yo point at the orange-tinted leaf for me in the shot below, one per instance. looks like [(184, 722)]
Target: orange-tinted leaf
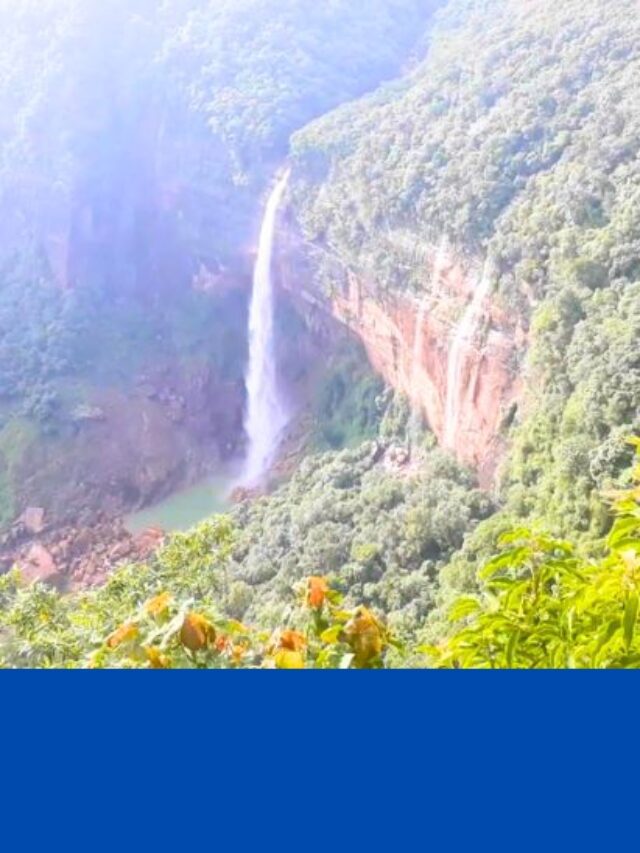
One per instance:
[(222, 643), (197, 633), (156, 659), (294, 641), (239, 651), (159, 605), (317, 590), (124, 634), (365, 636)]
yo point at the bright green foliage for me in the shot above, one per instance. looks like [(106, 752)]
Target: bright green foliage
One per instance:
[(541, 605), (571, 443), (168, 615)]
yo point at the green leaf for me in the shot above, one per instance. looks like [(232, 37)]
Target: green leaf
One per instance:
[(463, 608), (629, 621), (430, 651), (510, 559), (499, 585), (558, 656), (332, 635), (520, 534), (512, 645), (605, 637), (620, 534)]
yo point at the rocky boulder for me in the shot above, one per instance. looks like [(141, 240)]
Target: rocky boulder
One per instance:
[(39, 566)]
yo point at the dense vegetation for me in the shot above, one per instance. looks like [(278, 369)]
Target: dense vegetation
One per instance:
[(542, 604), (518, 138), (381, 532), (136, 140)]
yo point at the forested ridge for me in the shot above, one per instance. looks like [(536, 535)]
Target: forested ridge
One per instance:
[(508, 132), (523, 149)]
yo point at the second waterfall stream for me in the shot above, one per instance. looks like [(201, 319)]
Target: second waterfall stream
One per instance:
[(267, 413), (461, 344)]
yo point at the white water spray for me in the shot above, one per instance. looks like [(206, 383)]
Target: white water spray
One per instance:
[(427, 300), (418, 339), (267, 413), (460, 345)]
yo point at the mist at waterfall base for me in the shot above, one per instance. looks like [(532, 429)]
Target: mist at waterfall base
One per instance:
[(267, 414)]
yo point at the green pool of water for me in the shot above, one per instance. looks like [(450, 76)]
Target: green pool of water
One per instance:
[(184, 509)]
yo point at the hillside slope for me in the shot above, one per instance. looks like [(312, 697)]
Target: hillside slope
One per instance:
[(512, 152), (136, 142), (474, 220)]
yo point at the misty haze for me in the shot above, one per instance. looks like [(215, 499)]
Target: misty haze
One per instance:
[(319, 332)]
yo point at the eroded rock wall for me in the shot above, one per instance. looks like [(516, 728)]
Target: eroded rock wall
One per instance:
[(409, 339)]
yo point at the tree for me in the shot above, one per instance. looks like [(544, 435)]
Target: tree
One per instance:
[(542, 605)]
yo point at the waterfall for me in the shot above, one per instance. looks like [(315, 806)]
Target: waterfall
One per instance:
[(460, 344), (418, 338), (267, 414)]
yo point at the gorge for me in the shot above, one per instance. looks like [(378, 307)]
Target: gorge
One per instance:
[(303, 307)]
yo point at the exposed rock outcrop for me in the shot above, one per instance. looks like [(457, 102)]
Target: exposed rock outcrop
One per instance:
[(409, 342), (72, 556), (38, 564), (33, 519)]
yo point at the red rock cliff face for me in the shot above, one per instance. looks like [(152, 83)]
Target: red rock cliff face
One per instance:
[(409, 342)]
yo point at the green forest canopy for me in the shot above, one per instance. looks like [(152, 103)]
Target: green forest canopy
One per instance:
[(524, 148)]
